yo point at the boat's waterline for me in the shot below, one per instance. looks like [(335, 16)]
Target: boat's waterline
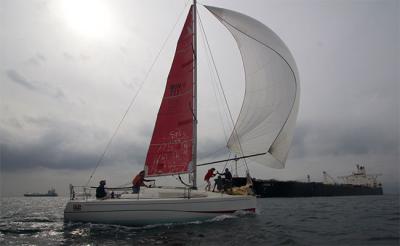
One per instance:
[(155, 211)]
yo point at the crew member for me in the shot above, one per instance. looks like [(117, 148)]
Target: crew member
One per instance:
[(227, 180), (209, 174), (139, 181), (227, 174), (101, 192)]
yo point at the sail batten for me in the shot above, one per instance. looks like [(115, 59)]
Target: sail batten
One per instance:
[(270, 105)]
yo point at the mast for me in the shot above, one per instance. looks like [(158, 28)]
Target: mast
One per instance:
[(194, 146)]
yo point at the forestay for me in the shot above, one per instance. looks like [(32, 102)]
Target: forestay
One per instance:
[(271, 100)]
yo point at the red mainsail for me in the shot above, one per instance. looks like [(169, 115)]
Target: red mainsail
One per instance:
[(170, 150)]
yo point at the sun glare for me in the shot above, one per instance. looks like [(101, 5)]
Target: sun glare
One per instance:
[(90, 18)]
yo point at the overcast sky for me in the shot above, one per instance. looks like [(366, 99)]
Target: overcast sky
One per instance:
[(68, 70)]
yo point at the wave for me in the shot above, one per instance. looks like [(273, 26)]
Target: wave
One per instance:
[(237, 214), (384, 238), (19, 231), (35, 220), (393, 219)]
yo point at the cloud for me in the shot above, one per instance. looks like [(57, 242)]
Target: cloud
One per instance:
[(50, 148), (68, 57), (62, 144), (65, 145), (38, 86), (37, 59), (211, 149), (11, 122), (349, 100), (19, 79), (325, 140), (75, 146)]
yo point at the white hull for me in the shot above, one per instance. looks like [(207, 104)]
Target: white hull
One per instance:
[(156, 210)]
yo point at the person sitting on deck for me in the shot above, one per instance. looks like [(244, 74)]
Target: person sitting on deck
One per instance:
[(139, 181), (101, 192), (209, 174)]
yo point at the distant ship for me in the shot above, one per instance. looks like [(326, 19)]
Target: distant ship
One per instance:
[(51, 192), (356, 184)]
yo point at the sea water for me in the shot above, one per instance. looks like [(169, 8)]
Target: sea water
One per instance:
[(352, 220)]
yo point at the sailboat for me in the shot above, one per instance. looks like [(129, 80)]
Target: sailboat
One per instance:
[(263, 131)]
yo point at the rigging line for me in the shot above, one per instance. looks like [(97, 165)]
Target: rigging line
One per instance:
[(180, 179), (223, 92), (283, 58), (215, 89), (135, 96), (226, 163)]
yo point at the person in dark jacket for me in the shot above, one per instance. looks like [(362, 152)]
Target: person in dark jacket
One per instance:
[(227, 174), (101, 192), (218, 182), (227, 180)]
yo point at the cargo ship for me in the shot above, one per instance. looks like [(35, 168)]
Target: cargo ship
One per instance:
[(51, 192), (356, 184)]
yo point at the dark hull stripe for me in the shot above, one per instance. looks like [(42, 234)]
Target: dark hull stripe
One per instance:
[(216, 212), (188, 201)]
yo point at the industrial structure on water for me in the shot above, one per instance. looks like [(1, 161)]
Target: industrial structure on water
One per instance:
[(51, 192), (358, 183)]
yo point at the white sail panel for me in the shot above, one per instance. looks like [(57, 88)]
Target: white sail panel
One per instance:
[(271, 100)]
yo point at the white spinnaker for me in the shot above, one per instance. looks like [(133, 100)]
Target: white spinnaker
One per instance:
[(271, 101)]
